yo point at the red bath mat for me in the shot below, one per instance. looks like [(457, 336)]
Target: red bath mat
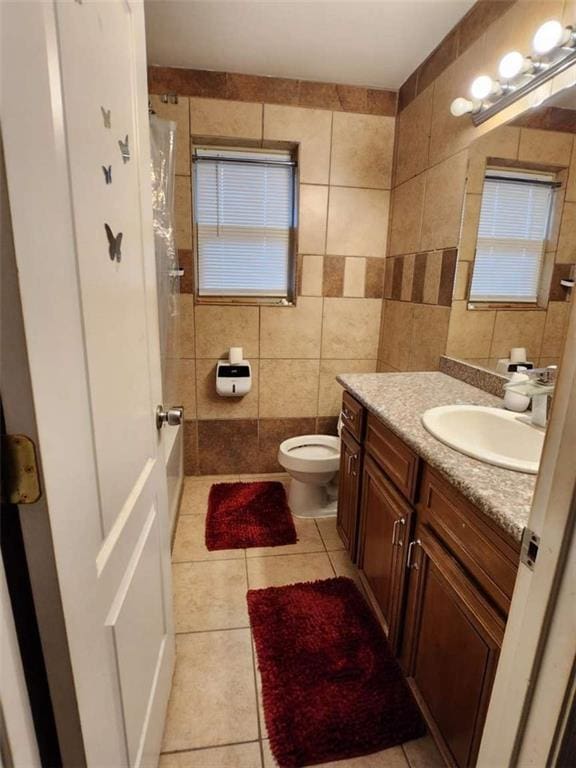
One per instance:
[(331, 687), (244, 515)]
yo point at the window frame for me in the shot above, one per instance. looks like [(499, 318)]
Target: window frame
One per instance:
[(265, 149), (492, 165)]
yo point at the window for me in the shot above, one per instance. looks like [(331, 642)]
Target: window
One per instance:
[(512, 234), (245, 216)]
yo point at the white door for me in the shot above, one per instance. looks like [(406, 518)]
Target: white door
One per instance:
[(19, 739), (74, 88)]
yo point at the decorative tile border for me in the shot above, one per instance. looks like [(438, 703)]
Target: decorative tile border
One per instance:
[(561, 271), (488, 381), (272, 90), (229, 446), (422, 278), (472, 26), (548, 119)]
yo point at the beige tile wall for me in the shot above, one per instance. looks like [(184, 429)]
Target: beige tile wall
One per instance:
[(296, 352), (430, 179)]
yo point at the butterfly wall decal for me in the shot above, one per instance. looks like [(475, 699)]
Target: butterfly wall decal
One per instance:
[(107, 173), (107, 117), (124, 149), (114, 243)]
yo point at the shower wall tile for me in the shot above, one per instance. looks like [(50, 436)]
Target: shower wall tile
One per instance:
[(183, 212), (186, 262)]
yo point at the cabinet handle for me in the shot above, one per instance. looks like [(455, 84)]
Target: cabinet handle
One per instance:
[(347, 415), (396, 540), (409, 563), (351, 457)]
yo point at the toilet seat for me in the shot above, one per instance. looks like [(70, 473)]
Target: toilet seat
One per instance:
[(310, 453)]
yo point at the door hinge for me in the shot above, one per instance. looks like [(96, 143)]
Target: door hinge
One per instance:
[(529, 548), (20, 480)]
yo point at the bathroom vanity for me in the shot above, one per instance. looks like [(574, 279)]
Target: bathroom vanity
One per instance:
[(436, 536)]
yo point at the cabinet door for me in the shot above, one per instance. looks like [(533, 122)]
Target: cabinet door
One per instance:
[(349, 491), (386, 519), (453, 638)]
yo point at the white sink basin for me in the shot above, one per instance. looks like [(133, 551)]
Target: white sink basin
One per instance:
[(492, 435)]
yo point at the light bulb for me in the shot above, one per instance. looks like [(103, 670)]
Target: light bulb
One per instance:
[(461, 106), (483, 87), (549, 36), (512, 65)]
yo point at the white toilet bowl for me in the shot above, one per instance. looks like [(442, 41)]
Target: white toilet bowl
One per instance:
[(312, 462)]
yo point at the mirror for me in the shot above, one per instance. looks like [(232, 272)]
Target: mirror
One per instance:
[(517, 249)]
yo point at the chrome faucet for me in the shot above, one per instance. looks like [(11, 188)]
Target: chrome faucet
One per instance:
[(546, 379)]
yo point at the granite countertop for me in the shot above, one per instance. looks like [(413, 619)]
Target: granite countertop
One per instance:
[(400, 399)]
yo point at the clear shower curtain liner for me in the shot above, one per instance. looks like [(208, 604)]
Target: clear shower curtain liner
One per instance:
[(163, 145)]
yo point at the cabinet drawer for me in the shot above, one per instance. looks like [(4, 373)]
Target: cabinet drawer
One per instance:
[(488, 554), (398, 461), (353, 416)]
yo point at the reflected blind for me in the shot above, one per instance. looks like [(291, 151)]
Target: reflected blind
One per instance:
[(244, 216), (512, 235)]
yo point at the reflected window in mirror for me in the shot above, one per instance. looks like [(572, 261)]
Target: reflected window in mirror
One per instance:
[(515, 215)]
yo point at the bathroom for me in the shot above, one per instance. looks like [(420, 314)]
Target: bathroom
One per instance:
[(342, 355)]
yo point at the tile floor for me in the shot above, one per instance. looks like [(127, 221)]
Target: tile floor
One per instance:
[(215, 717)]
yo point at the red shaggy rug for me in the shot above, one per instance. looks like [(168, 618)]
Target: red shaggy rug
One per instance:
[(248, 515), (331, 687)]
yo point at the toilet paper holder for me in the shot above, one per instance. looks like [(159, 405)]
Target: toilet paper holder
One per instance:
[(233, 376)]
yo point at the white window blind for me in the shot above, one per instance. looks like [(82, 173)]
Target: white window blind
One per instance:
[(244, 216), (512, 235)]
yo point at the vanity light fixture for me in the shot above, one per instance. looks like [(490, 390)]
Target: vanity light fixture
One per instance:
[(462, 106), (555, 50), (514, 64), (483, 87), (552, 35)]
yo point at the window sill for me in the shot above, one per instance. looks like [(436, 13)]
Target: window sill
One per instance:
[(245, 301), (482, 306)]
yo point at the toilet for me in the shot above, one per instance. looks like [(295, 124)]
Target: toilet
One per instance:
[(312, 461)]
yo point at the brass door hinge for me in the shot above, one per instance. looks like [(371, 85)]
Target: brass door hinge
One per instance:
[(20, 481)]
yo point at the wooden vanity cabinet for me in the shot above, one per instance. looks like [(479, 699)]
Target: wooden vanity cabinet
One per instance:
[(438, 573), (349, 492), (386, 525)]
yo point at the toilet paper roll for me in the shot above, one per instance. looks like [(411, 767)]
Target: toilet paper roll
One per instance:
[(518, 355), (236, 355)]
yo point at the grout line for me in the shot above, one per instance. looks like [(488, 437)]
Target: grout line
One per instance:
[(207, 631), (288, 554), (346, 186), (211, 746), (209, 560), (255, 679)]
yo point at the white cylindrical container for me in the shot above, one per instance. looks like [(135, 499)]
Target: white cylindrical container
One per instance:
[(518, 355), (514, 401), (236, 355)]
